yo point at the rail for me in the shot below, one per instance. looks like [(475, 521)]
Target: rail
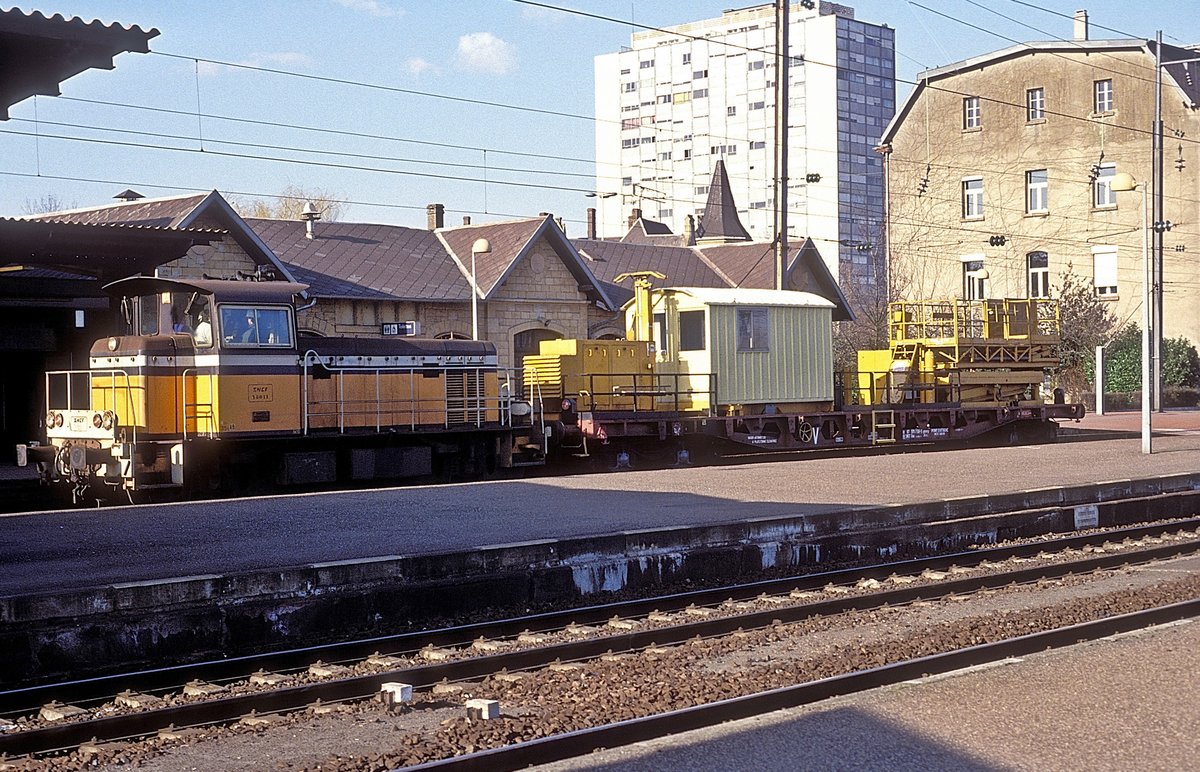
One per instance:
[(463, 400)]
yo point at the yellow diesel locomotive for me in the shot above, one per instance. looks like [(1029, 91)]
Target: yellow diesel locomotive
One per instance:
[(211, 386)]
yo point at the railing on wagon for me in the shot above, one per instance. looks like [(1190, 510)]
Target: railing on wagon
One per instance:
[(448, 409)]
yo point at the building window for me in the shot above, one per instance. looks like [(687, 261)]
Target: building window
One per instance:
[(687, 58), (758, 145), (1102, 101), (664, 99), (698, 74), (691, 330), (731, 110), (1038, 265), (972, 198), (971, 114), (1035, 104), (757, 105), (1037, 191), (752, 329), (700, 93), (1104, 271), (665, 156), (701, 190), (974, 280), (630, 86), (756, 65), (687, 153), (1102, 193), (647, 64)]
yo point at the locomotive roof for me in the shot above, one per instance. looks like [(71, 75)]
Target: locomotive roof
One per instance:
[(221, 289)]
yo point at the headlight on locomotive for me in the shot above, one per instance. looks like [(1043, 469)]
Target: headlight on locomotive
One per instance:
[(58, 420), (50, 419), (97, 420), (568, 405), (110, 420)]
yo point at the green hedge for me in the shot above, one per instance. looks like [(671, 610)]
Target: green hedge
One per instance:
[(1132, 400), (1123, 363)]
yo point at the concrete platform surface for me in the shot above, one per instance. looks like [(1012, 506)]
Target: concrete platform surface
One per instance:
[(60, 550), (1117, 704)]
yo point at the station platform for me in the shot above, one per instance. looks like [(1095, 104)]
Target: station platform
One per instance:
[(237, 574)]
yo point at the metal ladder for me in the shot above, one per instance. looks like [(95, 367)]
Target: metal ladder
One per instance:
[(883, 427)]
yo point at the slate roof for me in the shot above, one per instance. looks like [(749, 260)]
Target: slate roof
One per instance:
[(360, 260), (38, 52), (167, 212), (175, 212), (747, 265), (720, 219)]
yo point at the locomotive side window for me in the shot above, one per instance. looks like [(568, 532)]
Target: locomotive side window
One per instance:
[(254, 326)]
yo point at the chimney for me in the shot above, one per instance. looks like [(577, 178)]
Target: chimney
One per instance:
[(435, 216), (634, 216), (128, 194), (310, 215), (591, 222), (1081, 25), (689, 231), (466, 219)]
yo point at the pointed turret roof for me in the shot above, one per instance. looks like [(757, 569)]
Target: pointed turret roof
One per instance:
[(720, 222)]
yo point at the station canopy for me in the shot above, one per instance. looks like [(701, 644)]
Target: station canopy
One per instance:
[(37, 52)]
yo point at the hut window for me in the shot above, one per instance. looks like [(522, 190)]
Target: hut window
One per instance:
[(752, 329), (691, 330)]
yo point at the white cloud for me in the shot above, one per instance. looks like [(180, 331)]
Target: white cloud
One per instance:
[(417, 66), (370, 7), (484, 52)]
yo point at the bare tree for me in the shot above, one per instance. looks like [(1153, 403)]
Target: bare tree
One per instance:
[(289, 204), (46, 204)]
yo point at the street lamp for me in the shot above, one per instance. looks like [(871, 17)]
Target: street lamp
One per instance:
[(480, 247), (1123, 181)]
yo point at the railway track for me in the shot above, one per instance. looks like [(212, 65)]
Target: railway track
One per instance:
[(286, 680)]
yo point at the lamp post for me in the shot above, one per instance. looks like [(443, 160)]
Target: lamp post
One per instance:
[(1123, 181), (480, 247)]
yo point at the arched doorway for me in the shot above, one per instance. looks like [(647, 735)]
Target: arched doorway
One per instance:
[(526, 343)]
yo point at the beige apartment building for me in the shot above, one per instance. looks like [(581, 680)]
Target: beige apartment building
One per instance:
[(999, 172)]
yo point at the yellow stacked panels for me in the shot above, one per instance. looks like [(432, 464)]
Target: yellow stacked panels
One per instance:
[(600, 374)]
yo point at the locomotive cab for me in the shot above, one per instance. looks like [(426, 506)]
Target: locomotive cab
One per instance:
[(210, 385)]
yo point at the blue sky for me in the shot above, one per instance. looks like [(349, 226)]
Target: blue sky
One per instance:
[(422, 148)]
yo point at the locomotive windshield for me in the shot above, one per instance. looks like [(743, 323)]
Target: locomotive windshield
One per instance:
[(256, 326)]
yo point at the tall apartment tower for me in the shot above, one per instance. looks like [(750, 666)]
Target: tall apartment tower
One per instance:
[(679, 100)]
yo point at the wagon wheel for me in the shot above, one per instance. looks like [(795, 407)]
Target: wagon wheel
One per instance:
[(806, 432)]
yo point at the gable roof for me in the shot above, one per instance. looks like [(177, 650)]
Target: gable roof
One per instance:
[(394, 262), (38, 52), (749, 265), (178, 212), (511, 242), (1178, 72)]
